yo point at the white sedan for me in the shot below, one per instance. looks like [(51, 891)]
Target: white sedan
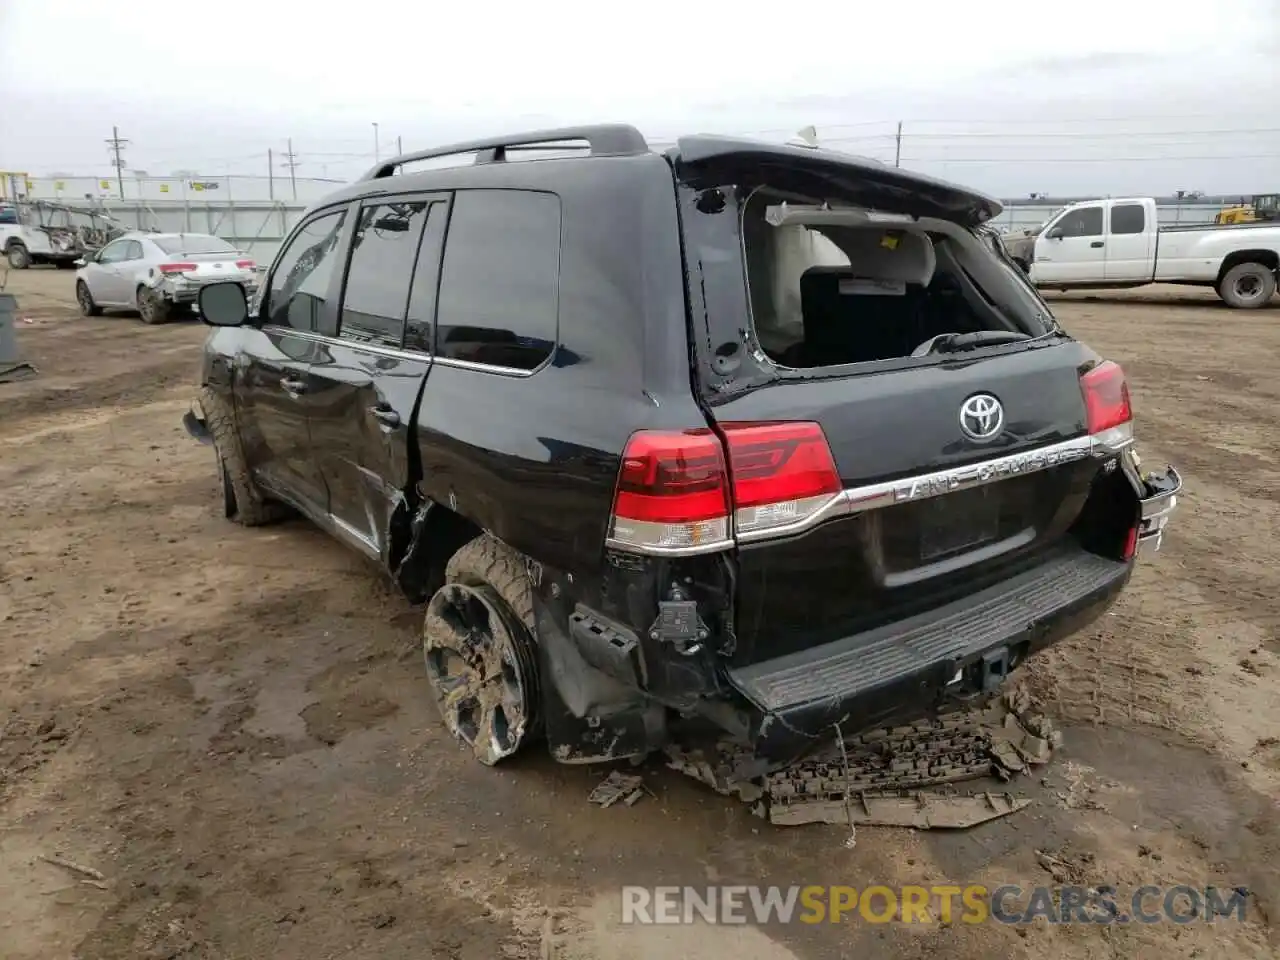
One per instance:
[(158, 274)]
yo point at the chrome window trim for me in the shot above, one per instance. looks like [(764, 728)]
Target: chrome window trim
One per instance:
[(400, 354)]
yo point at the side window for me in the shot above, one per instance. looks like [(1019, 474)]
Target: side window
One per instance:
[(383, 252), (499, 280), (300, 281), (113, 252), (426, 278), (1086, 222), (1128, 218), (133, 250)]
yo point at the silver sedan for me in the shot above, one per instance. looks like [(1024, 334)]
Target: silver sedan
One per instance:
[(159, 274)]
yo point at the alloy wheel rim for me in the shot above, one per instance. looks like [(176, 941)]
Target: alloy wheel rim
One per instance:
[(481, 670)]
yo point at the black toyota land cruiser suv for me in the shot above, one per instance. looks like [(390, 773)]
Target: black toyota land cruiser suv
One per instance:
[(757, 437)]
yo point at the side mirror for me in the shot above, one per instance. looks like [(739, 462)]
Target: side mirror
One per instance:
[(1055, 233), (79, 262), (223, 305)]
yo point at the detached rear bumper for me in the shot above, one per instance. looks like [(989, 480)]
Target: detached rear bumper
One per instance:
[(1162, 489), (185, 291), (894, 672)]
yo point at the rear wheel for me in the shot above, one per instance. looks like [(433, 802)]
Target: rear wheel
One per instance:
[(480, 656), (83, 297), (152, 307), (1248, 286), (18, 256), (242, 502)]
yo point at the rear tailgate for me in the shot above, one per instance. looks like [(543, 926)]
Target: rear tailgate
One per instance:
[(955, 472), (927, 513)]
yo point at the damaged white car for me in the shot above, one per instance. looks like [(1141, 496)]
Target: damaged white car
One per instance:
[(159, 274)]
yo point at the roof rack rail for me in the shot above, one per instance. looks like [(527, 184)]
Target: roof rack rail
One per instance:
[(605, 140)]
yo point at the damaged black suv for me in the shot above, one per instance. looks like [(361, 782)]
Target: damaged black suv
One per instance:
[(753, 438)]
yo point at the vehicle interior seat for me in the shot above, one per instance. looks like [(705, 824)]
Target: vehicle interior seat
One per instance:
[(874, 309)]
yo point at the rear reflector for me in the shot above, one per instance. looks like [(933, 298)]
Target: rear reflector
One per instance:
[(675, 490), (1106, 403), (176, 267)]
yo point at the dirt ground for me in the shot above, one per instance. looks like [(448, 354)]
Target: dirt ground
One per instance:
[(231, 725)]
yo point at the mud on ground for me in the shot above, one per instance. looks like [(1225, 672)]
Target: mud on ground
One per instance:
[(230, 725)]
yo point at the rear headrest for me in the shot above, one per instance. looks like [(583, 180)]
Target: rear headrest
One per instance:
[(876, 253)]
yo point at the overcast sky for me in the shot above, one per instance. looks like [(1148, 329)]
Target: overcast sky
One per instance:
[(1124, 96)]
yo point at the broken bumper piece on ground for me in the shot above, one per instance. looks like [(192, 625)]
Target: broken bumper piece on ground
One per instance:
[(893, 776)]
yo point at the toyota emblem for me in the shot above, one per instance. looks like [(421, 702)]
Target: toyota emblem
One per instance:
[(981, 417)]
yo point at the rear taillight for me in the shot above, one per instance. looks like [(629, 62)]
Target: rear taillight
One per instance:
[(176, 267), (672, 493), (782, 473), (1106, 402), (1130, 544), (246, 264), (676, 491)]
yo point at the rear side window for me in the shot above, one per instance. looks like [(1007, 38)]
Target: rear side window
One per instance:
[(383, 252), (499, 281), (300, 281), (1128, 218)]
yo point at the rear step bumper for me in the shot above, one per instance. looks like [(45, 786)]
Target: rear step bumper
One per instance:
[(900, 669)]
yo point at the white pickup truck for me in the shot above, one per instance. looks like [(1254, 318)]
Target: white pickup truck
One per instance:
[(1119, 243)]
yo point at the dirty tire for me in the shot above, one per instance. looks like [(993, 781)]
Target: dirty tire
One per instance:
[(479, 651), (1248, 286), (153, 308), (19, 258), (242, 502), (85, 299)]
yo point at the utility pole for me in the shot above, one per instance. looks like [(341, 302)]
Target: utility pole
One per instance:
[(376, 158), (116, 145), (897, 147), (399, 147), (291, 161), (271, 176)]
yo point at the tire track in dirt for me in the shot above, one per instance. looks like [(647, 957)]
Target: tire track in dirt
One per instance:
[(129, 388)]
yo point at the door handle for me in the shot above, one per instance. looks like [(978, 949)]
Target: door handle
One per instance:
[(1096, 244), (290, 385), (385, 415)]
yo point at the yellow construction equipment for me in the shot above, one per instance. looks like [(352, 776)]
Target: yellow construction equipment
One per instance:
[(1263, 206)]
